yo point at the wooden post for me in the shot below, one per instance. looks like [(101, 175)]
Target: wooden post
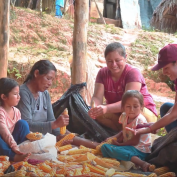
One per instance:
[(81, 13), (4, 36)]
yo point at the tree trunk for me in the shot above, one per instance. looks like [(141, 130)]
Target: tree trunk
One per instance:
[(80, 43), (30, 4), (4, 36)]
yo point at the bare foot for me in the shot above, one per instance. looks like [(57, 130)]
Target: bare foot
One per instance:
[(145, 166), (23, 157)]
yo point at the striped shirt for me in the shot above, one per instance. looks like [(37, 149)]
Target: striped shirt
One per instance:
[(144, 144)]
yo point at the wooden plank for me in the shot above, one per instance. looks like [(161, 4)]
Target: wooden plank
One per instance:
[(170, 16), (165, 11), (4, 36), (101, 16), (81, 14)]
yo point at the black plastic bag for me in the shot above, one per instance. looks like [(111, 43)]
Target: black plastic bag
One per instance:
[(9, 169), (80, 122)]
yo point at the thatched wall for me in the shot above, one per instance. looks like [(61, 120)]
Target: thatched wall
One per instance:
[(165, 16)]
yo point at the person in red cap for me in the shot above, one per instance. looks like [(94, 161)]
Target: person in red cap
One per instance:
[(167, 61)]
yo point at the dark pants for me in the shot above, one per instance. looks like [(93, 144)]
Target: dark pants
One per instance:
[(21, 129), (163, 110)]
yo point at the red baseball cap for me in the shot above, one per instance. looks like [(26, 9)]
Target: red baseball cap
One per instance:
[(166, 55)]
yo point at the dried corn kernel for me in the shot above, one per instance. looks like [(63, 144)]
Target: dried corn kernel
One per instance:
[(67, 137), (34, 136), (63, 148), (162, 170)]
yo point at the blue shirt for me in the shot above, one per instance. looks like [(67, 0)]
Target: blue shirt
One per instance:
[(59, 3)]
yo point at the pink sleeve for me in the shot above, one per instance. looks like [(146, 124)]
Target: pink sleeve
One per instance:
[(175, 85), (99, 77), (134, 75), (4, 131)]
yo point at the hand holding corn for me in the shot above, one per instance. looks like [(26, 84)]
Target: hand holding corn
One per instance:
[(63, 129), (61, 121)]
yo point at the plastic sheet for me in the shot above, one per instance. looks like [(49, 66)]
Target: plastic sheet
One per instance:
[(80, 122)]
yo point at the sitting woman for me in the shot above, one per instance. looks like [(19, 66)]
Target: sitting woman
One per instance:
[(35, 104), (111, 83), (13, 130)]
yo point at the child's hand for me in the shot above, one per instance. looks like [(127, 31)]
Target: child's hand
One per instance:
[(139, 131)]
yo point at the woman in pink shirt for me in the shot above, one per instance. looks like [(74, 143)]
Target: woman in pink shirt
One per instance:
[(13, 130), (111, 83)]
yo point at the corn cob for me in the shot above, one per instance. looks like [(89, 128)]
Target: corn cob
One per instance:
[(67, 137), (86, 157), (66, 152), (5, 165), (20, 173), (52, 172), (110, 172), (103, 164), (18, 164), (59, 175), (98, 148), (162, 170), (95, 169), (85, 170), (152, 167), (111, 161), (34, 136), (45, 168), (61, 171), (92, 174), (79, 151), (63, 148), (4, 158), (101, 168), (168, 174), (39, 172), (63, 129), (77, 171), (152, 175), (121, 173), (31, 174), (1, 172)]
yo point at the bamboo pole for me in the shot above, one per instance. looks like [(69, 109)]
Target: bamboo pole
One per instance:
[(80, 43), (4, 36)]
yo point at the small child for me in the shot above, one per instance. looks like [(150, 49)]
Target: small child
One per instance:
[(13, 130), (129, 147)]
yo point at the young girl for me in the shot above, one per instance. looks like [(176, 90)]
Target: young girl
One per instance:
[(13, 130), (129, 147)]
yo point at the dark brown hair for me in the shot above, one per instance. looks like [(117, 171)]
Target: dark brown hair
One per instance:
[(132, 93), (43, 66)]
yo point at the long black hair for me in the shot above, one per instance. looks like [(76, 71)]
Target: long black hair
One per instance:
[(115, 46), (43, 66), (6, 85)]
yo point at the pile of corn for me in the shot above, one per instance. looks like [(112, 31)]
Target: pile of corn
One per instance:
[(80, 161)]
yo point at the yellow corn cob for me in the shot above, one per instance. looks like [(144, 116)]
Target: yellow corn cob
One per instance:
[(4, 158), (5, 165), (111, 161), (16, 165), (20, 173), (103, 164), (61, 171), (34, 136), (45, 168), (31, 174), (86, 157), (39, 172), (162, 170), (110, 172), (67, 137), (1, 173), (63, 148), (77, 171), (70, 172), (98, 148), (63, 129), (78, 151), (152, 167), (95, 169), (92, 174), (168, 174), (52, 172), (152, 175), (101, 168), (86, 169)]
